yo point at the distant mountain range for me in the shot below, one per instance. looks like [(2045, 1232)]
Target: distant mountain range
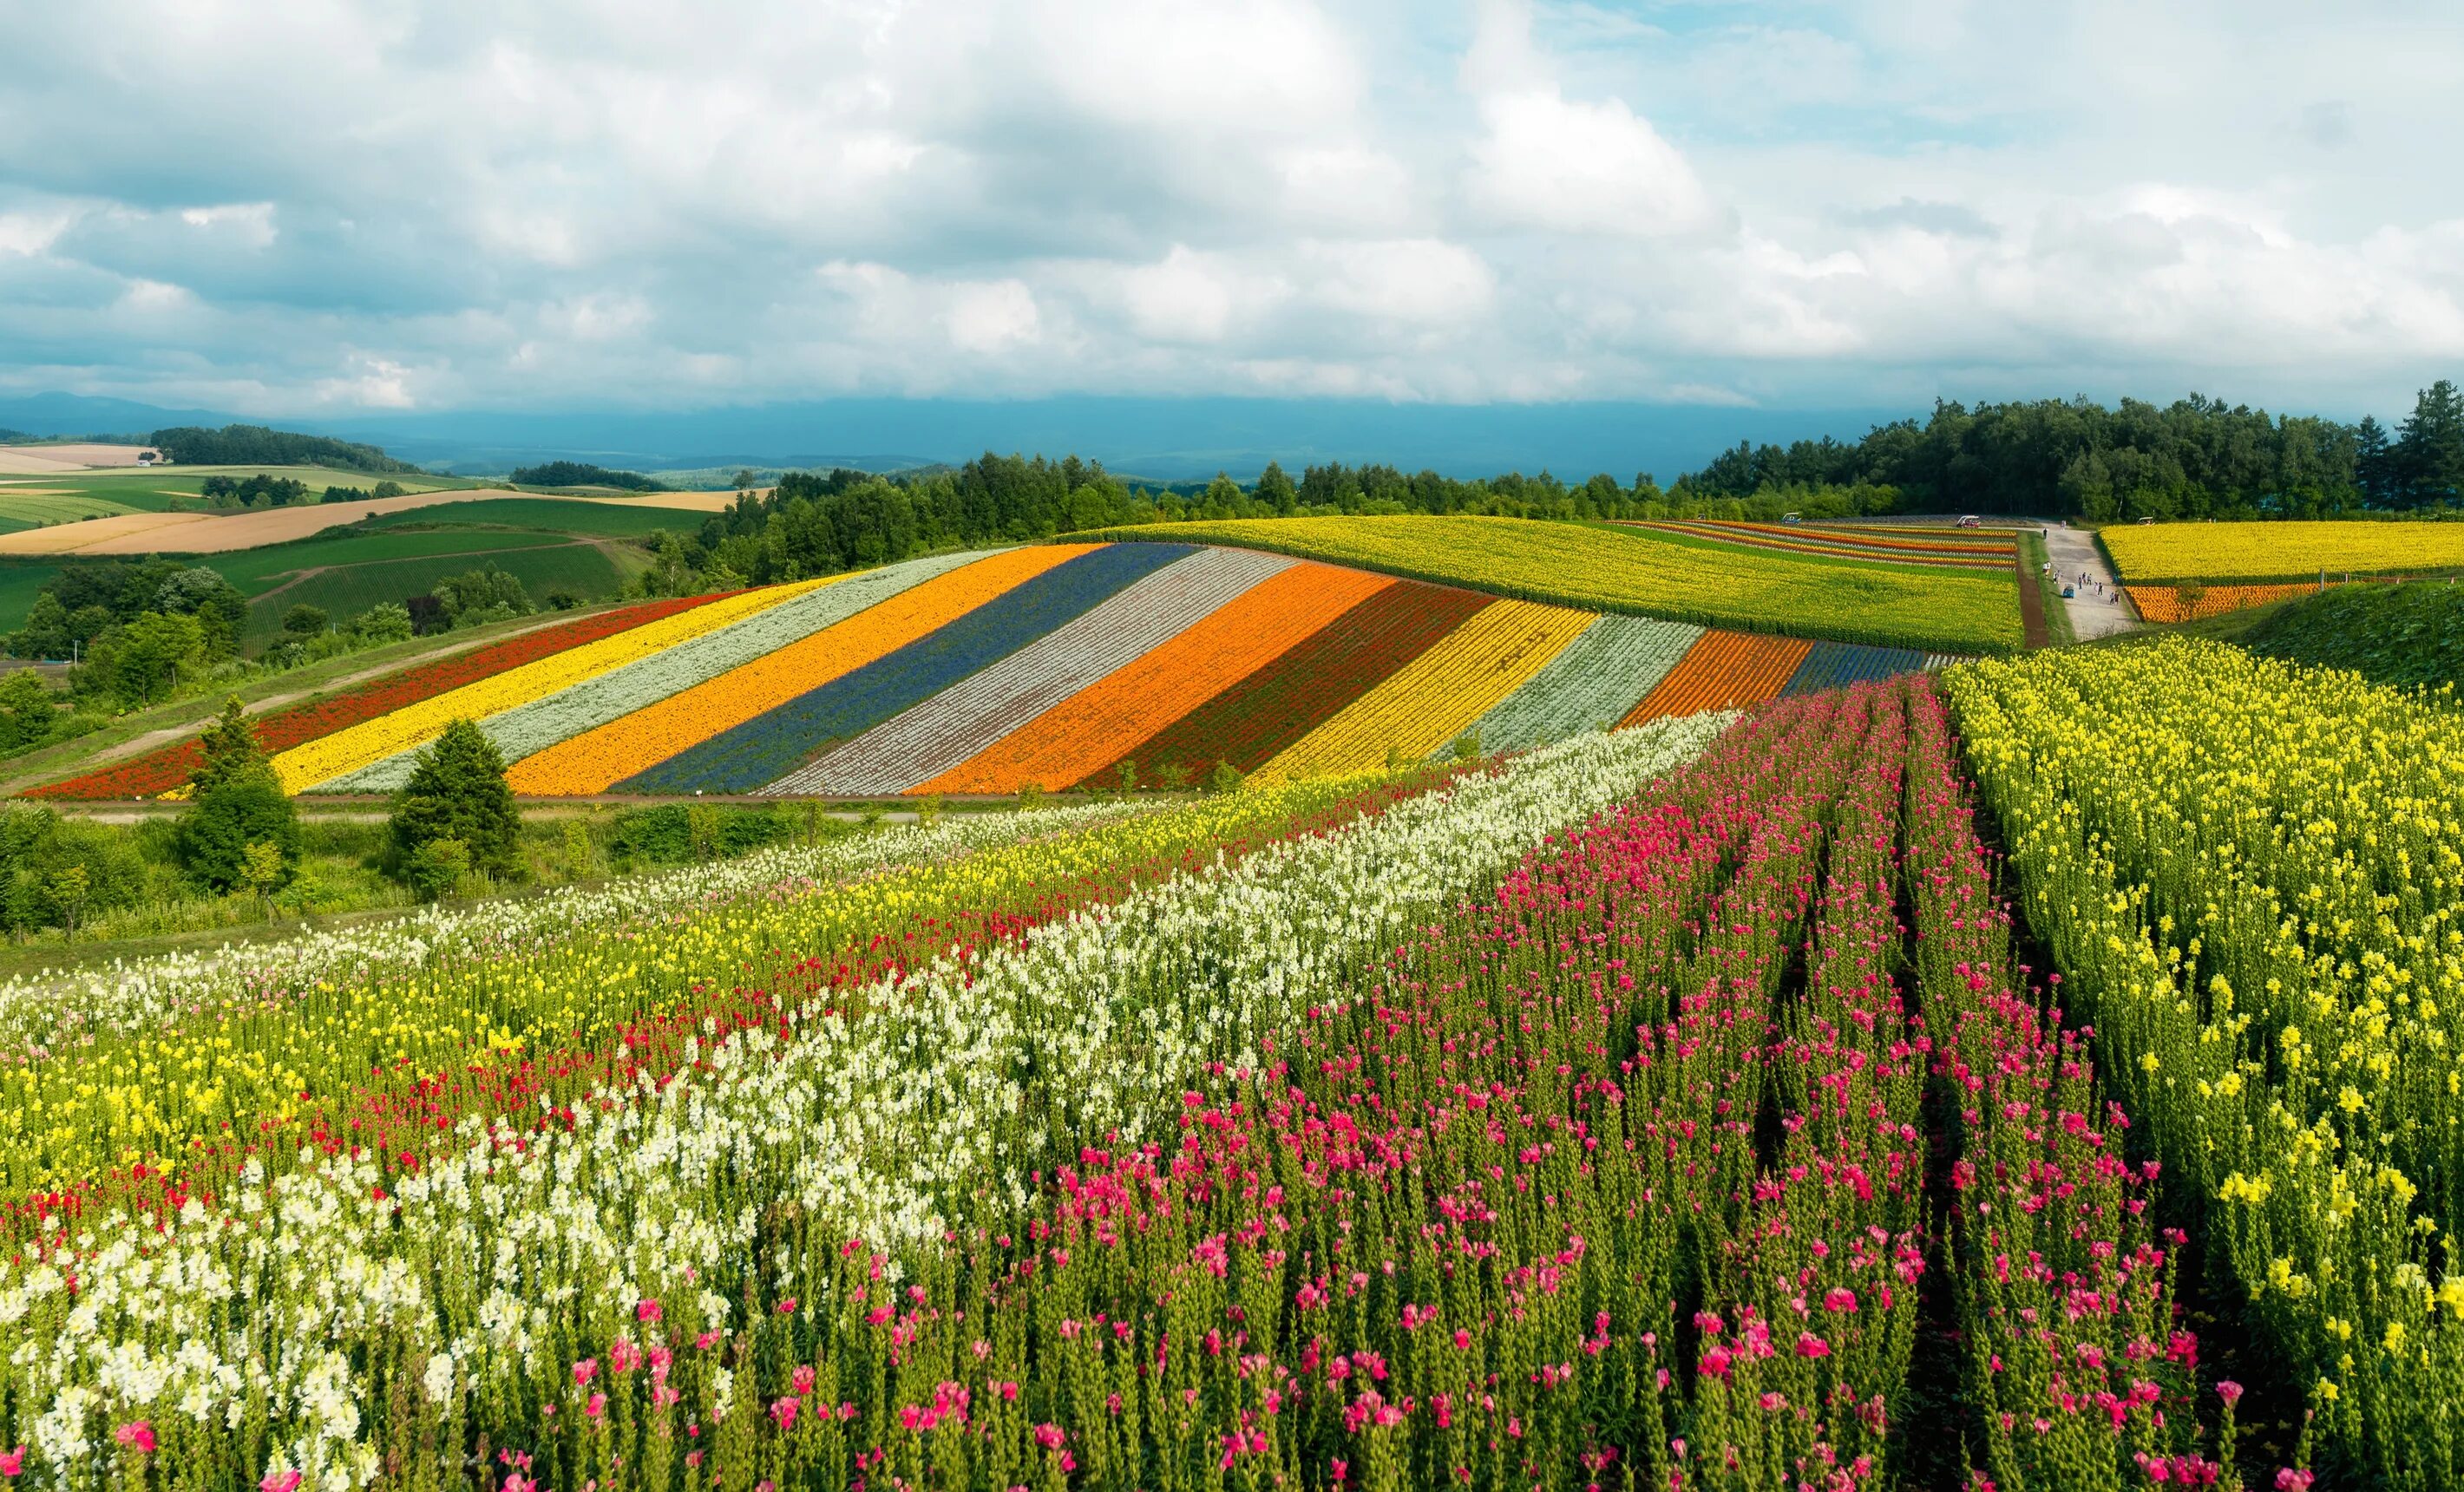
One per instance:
[(1163, 439)]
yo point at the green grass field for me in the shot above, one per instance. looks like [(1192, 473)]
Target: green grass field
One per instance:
[(347, 586), (258, 570), (19, 582), (1608, 568), (25, 510), (548, 514), (154, 488)]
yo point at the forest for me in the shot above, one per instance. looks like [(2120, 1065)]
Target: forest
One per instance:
[(254, 445)]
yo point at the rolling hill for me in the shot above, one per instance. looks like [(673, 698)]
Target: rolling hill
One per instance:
[(1050, 666)]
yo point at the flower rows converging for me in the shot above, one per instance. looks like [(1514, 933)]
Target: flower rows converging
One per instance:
[(1868, 545), (1648, 1110), (1051, 666), (337, 1316), (2252, 876)]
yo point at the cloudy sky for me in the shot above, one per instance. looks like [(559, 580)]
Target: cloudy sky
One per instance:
[(331, 206)]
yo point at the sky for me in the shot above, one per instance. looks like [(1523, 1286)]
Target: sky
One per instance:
[(340, 207)]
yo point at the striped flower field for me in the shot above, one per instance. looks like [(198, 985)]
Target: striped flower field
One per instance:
[(1051, 666)]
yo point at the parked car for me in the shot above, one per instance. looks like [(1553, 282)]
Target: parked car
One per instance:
[(1970, 520)]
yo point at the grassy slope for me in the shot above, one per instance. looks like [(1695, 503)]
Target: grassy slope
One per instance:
[(20, 581), (552, 515), (2395, 634), (152, 490), (1618, 569), (542, 562)]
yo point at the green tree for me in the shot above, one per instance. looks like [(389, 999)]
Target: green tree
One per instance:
[(457, 791), (236, 802), (2429, 446), (436, 867), (386, 621), (152, 653), (262, 866), (70, 888), (304, 620), (744, 480), (26, 709), (1276, 490)]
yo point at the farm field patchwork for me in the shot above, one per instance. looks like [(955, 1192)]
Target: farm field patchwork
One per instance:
[(1045, 665), (1607, 567), (2167, 554)]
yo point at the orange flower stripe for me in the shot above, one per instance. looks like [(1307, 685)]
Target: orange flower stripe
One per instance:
[(2164, 603), (1098, 725), (1436, 697), (597, 759), (1726, 670)]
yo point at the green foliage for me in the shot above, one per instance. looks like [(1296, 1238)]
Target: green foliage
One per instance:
[(1224, 779), (28, 709), (457, 791), (82, 602), (437, 868), (2409, 634), (386, 621), (580, 473), (254, 445), (487, 594), (58, 872), (306, 621), (236, 802), (676, 834), (272, 492)]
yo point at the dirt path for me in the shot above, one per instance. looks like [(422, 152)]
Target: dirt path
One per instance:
[(2079, 563)]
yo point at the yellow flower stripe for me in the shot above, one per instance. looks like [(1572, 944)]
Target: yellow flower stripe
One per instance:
[(330, 756), (2246, 553), (1437, 695)]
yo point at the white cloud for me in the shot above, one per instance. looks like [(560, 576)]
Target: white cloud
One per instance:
[(767, 199)]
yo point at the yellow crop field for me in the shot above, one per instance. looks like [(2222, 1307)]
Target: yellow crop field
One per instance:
[(1640, 573), (1435, 696), (2245, 553)]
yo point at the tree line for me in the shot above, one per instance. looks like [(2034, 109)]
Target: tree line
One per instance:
[(2195, 458), (254, 445)]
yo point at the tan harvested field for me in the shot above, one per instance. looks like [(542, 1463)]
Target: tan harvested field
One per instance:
[(680, 502), (212, 534), (68, 458)]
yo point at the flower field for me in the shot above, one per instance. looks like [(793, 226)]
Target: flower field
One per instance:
[(1046, 665), (1959, 549), (2252, 874), (2240, 553), (1660, 1107), (1624, 568)]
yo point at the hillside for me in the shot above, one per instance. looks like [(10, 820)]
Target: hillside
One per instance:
[(1639, 570), (2391, 634), (1050, 666)]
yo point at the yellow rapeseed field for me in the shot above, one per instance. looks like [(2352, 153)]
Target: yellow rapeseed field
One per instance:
[(2156, 553)]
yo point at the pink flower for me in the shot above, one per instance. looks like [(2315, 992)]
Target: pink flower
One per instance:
[(138, 1437), (804, 1378), (1049, 1435), (788, 1306), (785, 1412), (646, 1311), (12, 1462), (584, 1371), (2291, 1481), (597, 1407), (1808, 1345), (1715, 1362), (1840, 1299), (280, 1482), (2229, 1390)]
